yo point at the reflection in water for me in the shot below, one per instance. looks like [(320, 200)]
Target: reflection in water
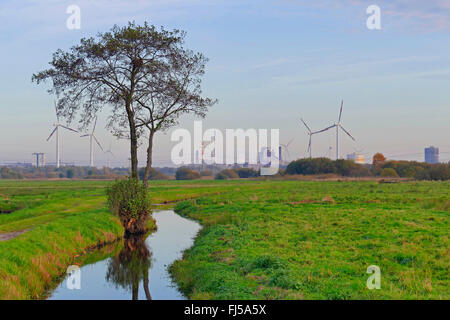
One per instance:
[(135, 267), (131, 266)]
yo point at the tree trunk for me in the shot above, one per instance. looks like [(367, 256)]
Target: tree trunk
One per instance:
[(133, 141), (134, 160), (149, 158), (135, 291), (146, 286)]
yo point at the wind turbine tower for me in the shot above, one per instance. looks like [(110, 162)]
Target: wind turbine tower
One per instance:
[(57, 125), (91, 145)]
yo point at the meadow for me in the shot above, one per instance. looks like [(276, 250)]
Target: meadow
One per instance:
[(315, 240), (261, 239), (47, 225)]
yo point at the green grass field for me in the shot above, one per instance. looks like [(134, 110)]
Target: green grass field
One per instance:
[(261, 239), (315, 240)]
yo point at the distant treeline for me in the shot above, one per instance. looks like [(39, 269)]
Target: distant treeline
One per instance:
[(74, 172), (185, 173), (314, 166), (347, 168)]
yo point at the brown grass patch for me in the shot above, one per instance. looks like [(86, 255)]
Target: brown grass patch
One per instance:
[(328, 199)]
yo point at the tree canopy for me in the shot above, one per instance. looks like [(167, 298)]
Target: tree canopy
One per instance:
[(143, 73)]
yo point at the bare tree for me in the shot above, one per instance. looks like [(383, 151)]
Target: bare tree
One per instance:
[(115, 69)]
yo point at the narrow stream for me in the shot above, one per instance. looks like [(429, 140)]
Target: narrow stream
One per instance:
[(118, 272)]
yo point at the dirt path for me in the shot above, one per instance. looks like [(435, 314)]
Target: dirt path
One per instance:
[(11, 235)]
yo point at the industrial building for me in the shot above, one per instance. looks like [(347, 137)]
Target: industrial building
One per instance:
[(432, 155), (356, 157)]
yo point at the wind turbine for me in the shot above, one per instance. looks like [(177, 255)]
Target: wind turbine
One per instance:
[(310, 133), (109, 152), (328, 154), (285, 146), (91, 138), (338, 125), (57, 125)]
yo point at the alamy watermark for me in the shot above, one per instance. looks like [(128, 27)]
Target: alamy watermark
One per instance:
[(73, 22), (241, 147), (374, 280), (73, 281), (374, 20)]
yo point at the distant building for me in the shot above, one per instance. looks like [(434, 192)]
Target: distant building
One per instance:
[(40, 159), (356, 157), (432, 155)]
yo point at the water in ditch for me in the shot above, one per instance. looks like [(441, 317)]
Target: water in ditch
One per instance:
[(134, 268)]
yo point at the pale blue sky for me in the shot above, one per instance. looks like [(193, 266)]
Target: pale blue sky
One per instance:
[(271, 62)]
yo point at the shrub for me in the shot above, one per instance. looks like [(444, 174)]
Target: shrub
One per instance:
[(229, 174), (311, 166), (7, 206), (221, 176), (389, 172), (154, 174), (184, 173), (69, 173), (206, 173), (247, 173), (440, 172), (348, 168), (129, 200)]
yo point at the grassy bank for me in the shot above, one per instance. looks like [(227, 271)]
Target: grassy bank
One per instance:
[(48, 225), (315, 240), (60, 220), (261, 239)]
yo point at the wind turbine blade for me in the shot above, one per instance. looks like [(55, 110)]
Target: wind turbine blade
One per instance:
[(347, 133), (306, 125), (52, 133), (328, 128), (69, 128), (340, 112), (84, 135), (97, 142), (95, 124), (289, 143)]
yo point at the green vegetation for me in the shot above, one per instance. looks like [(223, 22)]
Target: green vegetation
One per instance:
[(389, 172), (308, 167), (315, 240), (247, 173), (130, 201), (227, 174), (380, 167), (184, 173), (51, 224), (261, 238), (59, 221)]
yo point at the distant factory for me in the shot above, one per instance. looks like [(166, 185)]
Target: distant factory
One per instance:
[(356, 157)]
